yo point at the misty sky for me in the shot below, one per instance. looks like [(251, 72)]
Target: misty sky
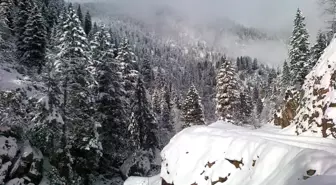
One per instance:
[(266, 14), (274, 16)]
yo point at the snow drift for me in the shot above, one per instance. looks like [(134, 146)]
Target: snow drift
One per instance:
[(225, 154), (316, 115)]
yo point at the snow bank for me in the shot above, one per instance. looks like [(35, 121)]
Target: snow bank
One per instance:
[(156, 180), (226, 154), (317, 112)]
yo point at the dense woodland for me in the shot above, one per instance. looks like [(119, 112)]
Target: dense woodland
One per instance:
[(104, 99)]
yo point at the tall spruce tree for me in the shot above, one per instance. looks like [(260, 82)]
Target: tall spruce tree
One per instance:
[(129, 67), (192, 111), (156, 102), (299, 50), (245, 107), (35, 42), (24, 8), (110, 103), (318, 49), (144, 119), (227, 94), (6, 20), (146, 71), (286, 75), (80, 14), (87, 23), (101, 47), (167, 127), (77, 105)]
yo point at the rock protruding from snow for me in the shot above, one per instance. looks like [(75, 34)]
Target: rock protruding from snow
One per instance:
[(8, 148), (317, 112), (20, 165), (141, 163), (225, 154)]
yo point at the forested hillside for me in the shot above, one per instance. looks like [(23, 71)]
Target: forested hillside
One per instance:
[(101, 97)]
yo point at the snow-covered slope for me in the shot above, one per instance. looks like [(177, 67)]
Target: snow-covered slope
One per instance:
[(225, 154), (317, 112)]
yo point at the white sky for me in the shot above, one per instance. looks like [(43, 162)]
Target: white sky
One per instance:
[(267, 14)]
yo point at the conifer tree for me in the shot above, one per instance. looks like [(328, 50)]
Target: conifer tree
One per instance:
[(95, 28), (48, 132), (299, 50), (24, 8), (144, 119), (227, 94), (110, 102), (146, 71), (192, 111), (6, 19), (101, 46), (318, 49), (35, 42), (156, 102), (87, 23), (77, 105), (286, 75), (126, 59), (80, 14), (245, 107), (166, 122)]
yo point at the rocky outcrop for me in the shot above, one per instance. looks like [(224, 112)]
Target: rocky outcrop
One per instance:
[(21, 163), (316, 114), (288, 111)]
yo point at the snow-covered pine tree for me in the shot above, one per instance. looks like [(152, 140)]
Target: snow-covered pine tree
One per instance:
[(227, 93), (192, 110), (47, 133), (110, 103), (167, 127), (6, 22), (144, 118), (156, 102), (126, 59), (77, 105), (318, 49), (24, 8), (80, 14), (286, 75), (245, 107), (95, 28), (35, 42), (87, 23), (101, 46), (146, 72), (299, 50)]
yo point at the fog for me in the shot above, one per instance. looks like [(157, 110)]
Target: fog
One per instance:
[(271, 16)]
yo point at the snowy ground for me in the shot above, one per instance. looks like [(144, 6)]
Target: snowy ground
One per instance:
[(226, 154)]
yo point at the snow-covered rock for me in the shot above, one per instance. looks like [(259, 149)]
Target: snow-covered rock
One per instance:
[(317, 112), (226, 154), (8, 148), (141, 163), (19, 164)]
